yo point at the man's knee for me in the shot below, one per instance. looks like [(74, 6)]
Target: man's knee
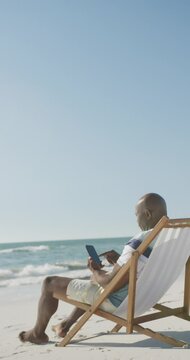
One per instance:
[(48, 283)]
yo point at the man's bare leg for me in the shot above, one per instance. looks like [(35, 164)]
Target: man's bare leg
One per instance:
[(46, 308), (63, 327)]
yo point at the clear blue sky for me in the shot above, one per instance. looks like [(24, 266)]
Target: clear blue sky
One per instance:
[(94, 112)]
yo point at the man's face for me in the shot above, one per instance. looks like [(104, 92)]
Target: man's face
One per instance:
[(141, 215)]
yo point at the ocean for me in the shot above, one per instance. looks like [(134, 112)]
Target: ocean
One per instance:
[(28, 263)]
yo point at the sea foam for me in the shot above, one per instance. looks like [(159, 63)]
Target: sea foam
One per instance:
[(31, 274), (25, 249)]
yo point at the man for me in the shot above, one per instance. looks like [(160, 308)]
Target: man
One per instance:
[(149, 210)]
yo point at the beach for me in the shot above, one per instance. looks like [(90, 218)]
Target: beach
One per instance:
[(18, 311), (94, 124)]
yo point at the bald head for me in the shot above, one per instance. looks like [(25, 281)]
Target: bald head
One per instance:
[(149, 210)]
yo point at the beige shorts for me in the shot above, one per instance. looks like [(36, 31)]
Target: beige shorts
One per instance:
[(87, 292)]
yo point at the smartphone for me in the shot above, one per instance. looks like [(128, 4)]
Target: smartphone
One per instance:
[(93, 254)]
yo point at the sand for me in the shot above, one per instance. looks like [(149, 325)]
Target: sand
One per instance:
[(18, 311)]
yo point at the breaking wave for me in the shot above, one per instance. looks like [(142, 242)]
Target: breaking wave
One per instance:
[(31, 274), (25, 249)]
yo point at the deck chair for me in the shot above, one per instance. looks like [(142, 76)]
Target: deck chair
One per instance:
[(170, 254)]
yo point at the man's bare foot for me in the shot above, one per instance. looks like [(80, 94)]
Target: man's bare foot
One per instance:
[(33, 338), (62, 328)]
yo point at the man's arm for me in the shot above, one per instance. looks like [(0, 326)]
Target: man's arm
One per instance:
[(111, 256), (103, 277)]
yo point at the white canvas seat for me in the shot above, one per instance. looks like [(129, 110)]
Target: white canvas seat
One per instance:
[(167, 260)]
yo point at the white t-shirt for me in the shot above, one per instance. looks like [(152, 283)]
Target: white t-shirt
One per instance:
[(131, 246)]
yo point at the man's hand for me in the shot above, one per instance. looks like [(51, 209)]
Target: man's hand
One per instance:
[(92, 265), (111, 256)]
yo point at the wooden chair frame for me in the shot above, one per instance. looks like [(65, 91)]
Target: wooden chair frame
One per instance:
[(132, 323)]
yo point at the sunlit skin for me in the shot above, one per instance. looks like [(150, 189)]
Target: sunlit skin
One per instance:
[(149, 210)]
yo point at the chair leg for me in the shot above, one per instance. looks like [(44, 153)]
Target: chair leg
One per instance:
[(186, 303), (131, 296), (161, 337), (132, 291), (116, 328)]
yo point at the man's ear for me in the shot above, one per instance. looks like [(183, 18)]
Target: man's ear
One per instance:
[(148, 214)]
